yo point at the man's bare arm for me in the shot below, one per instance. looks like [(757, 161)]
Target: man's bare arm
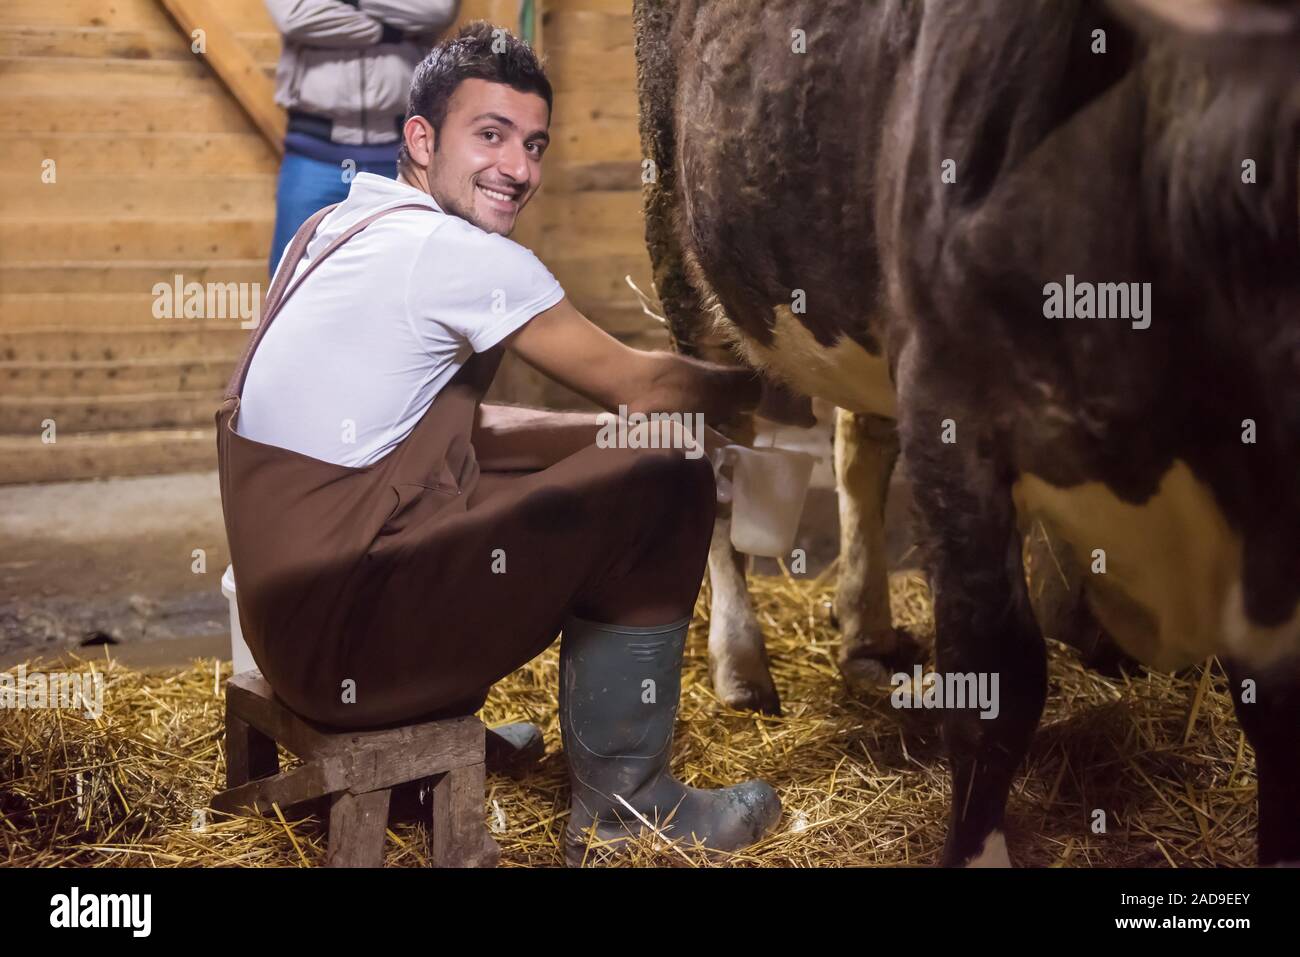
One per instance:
[(513, 438), (565, 345)]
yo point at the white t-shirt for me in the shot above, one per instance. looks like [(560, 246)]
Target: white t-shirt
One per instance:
[(356, 356)]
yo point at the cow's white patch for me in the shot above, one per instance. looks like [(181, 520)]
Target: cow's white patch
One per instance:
[(845, 374), (1250, 642), (1171, 592), (993, 853)]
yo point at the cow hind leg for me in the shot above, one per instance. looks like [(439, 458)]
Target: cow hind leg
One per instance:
[(1268, 706), (984, 628), (737, 651), (866, 448)]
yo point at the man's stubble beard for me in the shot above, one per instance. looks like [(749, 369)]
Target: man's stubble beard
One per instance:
[(454, 207)]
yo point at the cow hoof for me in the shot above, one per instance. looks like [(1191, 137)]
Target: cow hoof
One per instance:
[(992, 854), (864, 675), (740, 695), (869, 665)]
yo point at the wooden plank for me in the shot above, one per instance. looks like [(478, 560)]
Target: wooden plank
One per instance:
[(71, 76), (576, 69), (232, 62), (131, 195), (234, 238), (357, 824), (459, 836), (73, 313), (251, 697), (176, 154), (613, 242), (77, 282), (249, 753), (586, 177), (109, 378), (589, 127), (118, 14), (91, 42), (377, 758), (614, 218), (605, 281), (26, 458), (562, 7), (606, 140), (570, 29), (290, 787), (131, 44), (170, 340), (99, 112), (264, 48), (109, 413), (583, 106), (605, 284), (438, 745)]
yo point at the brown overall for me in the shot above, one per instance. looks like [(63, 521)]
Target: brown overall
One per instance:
[(407, 587)]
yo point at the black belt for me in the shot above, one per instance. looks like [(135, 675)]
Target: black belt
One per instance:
[(322, 127)]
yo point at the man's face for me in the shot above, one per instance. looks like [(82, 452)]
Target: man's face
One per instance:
[(488, 162)]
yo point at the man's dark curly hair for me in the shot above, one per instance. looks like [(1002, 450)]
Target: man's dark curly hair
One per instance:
[(471, 55)]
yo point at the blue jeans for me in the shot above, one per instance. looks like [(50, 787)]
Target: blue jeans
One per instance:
[(305, 186)]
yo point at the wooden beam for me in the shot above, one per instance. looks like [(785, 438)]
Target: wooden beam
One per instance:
[(235, 66)]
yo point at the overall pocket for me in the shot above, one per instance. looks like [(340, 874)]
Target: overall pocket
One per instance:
[(416, 504)]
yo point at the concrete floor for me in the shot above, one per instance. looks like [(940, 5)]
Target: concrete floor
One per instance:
[(136, 561), (132, 566)]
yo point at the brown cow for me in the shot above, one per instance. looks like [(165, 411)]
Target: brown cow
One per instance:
[(1059, 241), (848, 370)]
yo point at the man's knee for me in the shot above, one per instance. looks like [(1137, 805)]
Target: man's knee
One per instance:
[(684, 483)]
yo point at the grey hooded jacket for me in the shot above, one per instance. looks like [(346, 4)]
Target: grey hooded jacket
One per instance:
[(352, 60)]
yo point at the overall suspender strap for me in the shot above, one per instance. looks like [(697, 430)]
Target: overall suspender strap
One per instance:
[(278, 294)]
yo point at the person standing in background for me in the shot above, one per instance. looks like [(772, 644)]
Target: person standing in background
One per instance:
[(343, 77)]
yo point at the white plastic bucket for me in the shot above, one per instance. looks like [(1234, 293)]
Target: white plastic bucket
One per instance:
[(767, 491), (240, 657)]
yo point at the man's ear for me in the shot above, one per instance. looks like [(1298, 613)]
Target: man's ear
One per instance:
[(421, 140)]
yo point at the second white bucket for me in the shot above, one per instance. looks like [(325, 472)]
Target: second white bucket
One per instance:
[(240, 657), (768, 488)]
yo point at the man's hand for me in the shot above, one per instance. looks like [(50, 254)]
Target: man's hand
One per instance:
[(782, 404), (412, 16)]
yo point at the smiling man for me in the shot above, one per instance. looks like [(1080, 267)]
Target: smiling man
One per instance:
[(398, 545)]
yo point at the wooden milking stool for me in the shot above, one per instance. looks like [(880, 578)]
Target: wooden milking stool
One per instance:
[(357, 770)]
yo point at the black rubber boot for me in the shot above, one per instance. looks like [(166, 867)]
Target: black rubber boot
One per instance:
[(513, 749), (619, 689)]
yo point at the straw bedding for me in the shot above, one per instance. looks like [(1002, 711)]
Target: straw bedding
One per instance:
[(861, 782)]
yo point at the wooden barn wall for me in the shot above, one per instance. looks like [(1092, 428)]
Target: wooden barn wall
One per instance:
[(159, 172), (588, 226)]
